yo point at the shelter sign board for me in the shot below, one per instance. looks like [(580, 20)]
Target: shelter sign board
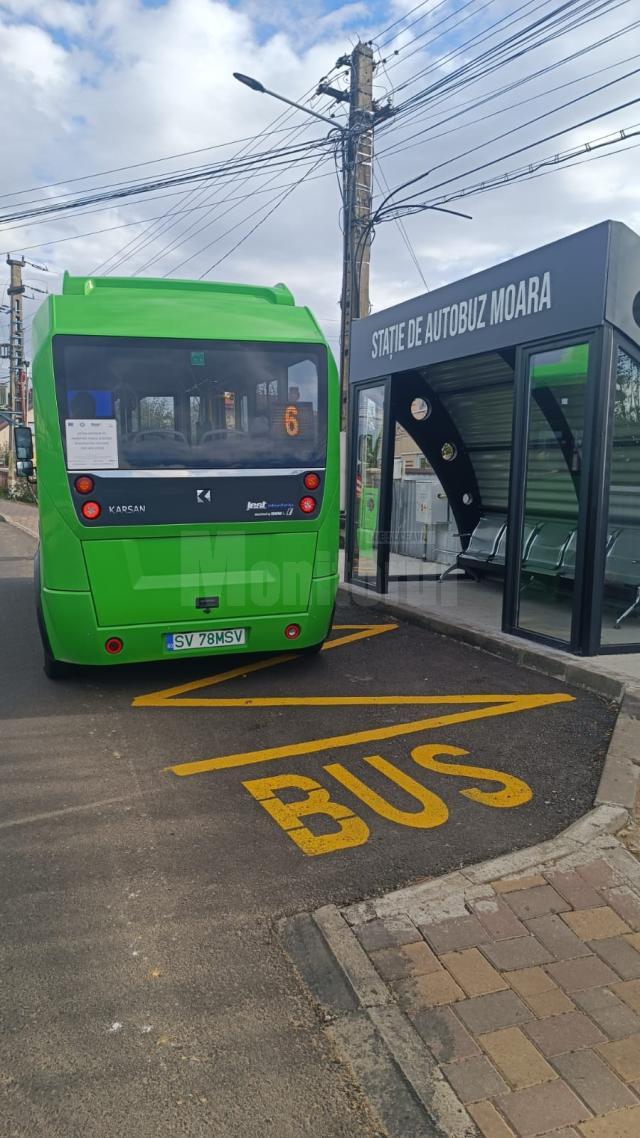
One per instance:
[(551, 291)]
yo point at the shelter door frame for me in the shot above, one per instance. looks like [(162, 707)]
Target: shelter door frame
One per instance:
[(370, 484), (583, 636), (613, 342)]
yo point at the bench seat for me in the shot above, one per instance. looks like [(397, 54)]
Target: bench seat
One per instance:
[(549, 550)]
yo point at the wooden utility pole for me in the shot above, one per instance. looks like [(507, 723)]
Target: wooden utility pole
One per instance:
[(16, 355), (358, 182), (357, 195)]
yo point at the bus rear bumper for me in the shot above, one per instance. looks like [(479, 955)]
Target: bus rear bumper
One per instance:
[(76, 638)]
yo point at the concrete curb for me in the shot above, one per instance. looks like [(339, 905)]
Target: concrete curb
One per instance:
[(390, 1035), (574, 846), (444, 1113), (621, 771), (375, 1037), (402, 1083), (18, 525)]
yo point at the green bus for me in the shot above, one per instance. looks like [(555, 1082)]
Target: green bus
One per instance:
[(187, 438)]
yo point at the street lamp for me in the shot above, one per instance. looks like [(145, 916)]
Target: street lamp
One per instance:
[(256, 85), (359, 122)]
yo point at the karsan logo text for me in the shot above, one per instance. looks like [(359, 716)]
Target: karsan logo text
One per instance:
[(127, 509), (256, 505)]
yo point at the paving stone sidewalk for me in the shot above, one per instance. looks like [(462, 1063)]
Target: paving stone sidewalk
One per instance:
[(526, 991)]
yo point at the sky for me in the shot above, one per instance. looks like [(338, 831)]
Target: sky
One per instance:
[(89, 86)]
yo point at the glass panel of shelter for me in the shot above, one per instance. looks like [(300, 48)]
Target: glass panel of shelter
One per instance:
[(395, 492), (621, 601), (553, 483), (367, 464)]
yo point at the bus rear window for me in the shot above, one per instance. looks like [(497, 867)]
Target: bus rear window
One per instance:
[(158, 404)]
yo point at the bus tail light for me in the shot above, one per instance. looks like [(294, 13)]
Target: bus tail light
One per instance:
[(312, 480), (113, 645), (292, 631), (90, 510), (84, 484), (307, 504)]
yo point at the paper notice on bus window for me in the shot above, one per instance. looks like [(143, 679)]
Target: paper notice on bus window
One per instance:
[(92, 444)]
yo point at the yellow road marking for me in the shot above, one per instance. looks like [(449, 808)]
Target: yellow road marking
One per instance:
[(513, 791), (501, 705), (363, 632), (159, 698), (344, 700), (166, 697), (351, 830), (434, 812), (175, 697)]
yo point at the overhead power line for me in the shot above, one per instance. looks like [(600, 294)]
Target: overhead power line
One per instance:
[(539, 118), (542, 31), (194, 229), (143, 220), (445, 19), (461, 110), (515, 16), (540, 168), (561, 161), (140, 165), (503, 157), (248, 217), (499, 55), (220, 171), (202, 193), (401, 19), (402, 229), (262, 220)]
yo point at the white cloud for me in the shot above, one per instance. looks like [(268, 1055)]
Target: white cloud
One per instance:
[(60, 15), (30, 56)]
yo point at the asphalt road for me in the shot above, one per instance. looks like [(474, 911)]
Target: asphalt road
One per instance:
[(142, 988)]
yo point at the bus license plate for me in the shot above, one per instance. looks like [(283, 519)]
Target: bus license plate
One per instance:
[(218, 638)]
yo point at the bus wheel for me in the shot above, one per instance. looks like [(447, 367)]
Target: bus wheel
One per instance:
[(312, 650), (55, 669)]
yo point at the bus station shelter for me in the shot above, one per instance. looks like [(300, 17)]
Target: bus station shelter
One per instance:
[(494, 445)]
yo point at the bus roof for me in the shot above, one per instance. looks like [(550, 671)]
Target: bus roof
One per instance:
[(174, 309), (84, 286)]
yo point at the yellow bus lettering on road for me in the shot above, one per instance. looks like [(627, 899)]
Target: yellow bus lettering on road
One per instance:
[(514, 791), (433, 810), (351, 831)]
